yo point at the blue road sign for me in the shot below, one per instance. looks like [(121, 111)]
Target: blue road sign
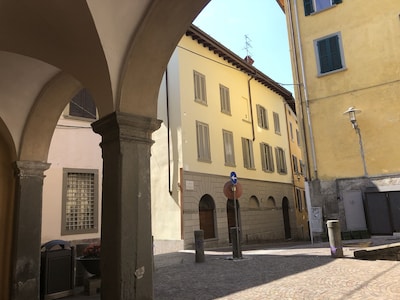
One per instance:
[(233, 178)]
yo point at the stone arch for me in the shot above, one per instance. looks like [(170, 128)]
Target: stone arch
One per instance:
[(254, 203), (271, 202), (44, 115), (207, 216), (7, 183), (141, 77)]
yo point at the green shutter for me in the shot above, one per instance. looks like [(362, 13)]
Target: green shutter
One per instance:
[(308, 7), (329, 54)]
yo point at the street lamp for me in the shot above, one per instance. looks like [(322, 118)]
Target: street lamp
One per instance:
[(352, 111)]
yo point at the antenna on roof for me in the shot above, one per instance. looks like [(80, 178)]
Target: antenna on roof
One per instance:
[(248, 58)]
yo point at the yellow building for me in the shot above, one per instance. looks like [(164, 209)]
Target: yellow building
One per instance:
[(220, 114), (345, 55)]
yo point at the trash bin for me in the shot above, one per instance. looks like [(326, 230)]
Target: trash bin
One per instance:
[(56, 270)]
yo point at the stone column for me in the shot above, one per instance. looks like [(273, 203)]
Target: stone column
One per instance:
[(27, 230), (126, 237)]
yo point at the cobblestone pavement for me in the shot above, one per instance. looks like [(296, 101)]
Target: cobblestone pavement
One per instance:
[(286, 271)]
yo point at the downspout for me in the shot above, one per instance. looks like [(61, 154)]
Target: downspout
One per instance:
[(313, 156), (306, 183), (251, 108)]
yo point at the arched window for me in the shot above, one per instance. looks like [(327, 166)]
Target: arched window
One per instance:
[(207, 216), (271, 202), (253, 202)]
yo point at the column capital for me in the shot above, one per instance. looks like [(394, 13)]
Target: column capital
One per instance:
[(126, 127), (28, 168)]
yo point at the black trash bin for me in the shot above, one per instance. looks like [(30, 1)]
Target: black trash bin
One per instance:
[(57, 270)]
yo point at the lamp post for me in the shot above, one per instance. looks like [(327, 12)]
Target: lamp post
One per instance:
[(352, 111)]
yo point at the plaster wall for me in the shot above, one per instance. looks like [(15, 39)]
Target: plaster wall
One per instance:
[(74, 145), (217, 71)]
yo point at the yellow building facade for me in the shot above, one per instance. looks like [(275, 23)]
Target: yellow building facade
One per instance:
[(345, 55), (221, 115)]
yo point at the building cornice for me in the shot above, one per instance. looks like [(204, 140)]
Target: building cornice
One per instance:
[(207, 41)]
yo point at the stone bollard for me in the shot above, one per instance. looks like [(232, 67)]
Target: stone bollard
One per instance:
[(199, 244), (335, 239), (237, 252)]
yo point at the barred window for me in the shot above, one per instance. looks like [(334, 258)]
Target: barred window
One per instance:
[(80, 201)]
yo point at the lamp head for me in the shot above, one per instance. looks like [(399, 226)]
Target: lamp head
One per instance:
[(352, 111)]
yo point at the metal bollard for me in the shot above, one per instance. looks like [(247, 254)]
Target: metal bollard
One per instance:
[(199, 245), (335, 238), (237, 252)]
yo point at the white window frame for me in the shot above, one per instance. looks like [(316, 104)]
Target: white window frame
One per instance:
[(203, 142)]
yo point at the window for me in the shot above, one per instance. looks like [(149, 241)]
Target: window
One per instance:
[(225, 100), (82, 105), (203, 142), (291, 130), (80, 201), (199, 87), (277, 125), (295, 165), (262, 117), (280, 160), (329, 54), (248, 158), (298, 137), (301, 167), (311, 6), (299, 200), (229, 152), (267, 159)]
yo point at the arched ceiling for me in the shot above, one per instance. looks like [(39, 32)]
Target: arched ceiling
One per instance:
[(118, 49)]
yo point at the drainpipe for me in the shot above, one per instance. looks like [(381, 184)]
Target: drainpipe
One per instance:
[(313, 156), (251, 108)]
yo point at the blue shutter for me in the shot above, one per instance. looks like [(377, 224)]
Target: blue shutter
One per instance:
[(308, 7)]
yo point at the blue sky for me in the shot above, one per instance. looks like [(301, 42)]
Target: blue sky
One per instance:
[(228, 21)]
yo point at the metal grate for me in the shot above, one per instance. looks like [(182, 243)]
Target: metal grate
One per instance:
[(80, 201)]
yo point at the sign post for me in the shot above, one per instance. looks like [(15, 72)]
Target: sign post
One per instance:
[(236, 241)]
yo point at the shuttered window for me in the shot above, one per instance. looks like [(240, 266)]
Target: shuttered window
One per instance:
[(229, 152), (248, 157), (199, 87), (267, 159), (329, 54), (277, 124), (203, 142), (225, 100), (280, 160), (82, 105), (262, 117)]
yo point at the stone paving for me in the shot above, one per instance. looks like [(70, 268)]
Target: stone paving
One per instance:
[(285, 271)]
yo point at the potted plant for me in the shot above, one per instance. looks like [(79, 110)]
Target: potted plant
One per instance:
[(91, 259)]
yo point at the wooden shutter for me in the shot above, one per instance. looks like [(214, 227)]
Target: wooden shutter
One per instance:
[(329, 54), (308, 7)]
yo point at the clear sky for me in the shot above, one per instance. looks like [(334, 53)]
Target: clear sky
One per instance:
[(263, 21)]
